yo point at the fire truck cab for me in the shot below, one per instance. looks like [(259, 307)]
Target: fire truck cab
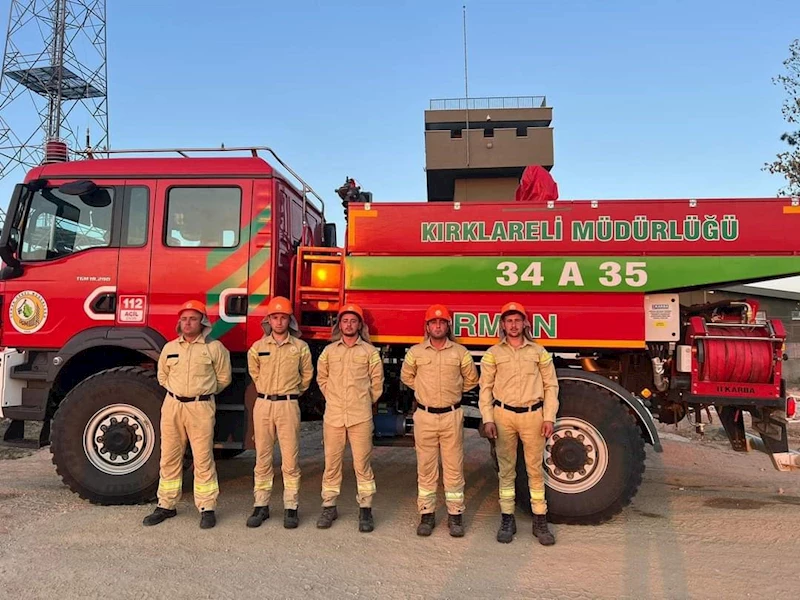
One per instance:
[(98, 256)]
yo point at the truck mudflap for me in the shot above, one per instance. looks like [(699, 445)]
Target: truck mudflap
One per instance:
[(643, 416), (772, 439), (774, 434)]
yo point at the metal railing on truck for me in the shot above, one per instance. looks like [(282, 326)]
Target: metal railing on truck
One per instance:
[(253, 150)]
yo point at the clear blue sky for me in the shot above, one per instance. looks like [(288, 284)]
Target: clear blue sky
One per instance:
[(651, 98)]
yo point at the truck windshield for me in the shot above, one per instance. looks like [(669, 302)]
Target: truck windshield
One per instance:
[(57, 224)]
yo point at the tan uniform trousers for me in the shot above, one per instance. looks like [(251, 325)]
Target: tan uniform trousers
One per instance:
[(527, 427), (277, 419), (192, 422), (334, 439), (434, 434)]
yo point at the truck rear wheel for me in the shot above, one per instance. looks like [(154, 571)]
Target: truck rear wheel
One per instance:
[(105, 438), (594, 460)]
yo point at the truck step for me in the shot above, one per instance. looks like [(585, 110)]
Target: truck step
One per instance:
[(14, 436), (22, 443), (228, 446), (28, 375), (398, 441)]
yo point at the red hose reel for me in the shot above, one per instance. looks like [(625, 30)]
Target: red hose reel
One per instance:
[(725, 354)]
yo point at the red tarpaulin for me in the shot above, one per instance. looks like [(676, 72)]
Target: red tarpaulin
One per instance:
[(537, 185)]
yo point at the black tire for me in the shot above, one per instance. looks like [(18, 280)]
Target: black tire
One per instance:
[(625, 466), (137, 390)]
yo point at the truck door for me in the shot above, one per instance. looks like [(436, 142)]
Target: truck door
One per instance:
[(133, 267), (200, 251), (69, 245)]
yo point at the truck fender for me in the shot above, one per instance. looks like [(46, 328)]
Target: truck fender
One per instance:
[(639, 410), (142, 339)]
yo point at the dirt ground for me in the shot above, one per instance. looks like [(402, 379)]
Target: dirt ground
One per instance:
[(706, 523)]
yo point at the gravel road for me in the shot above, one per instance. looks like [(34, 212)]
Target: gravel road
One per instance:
[(707, 523)]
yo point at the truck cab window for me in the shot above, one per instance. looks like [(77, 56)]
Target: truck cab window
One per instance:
[(203, 217), (135, 221), (58, 224)]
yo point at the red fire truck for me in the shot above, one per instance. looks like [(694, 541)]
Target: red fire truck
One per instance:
[(99, 253)]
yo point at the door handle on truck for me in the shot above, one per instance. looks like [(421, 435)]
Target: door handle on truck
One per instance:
[(233, 305), (101, 304)]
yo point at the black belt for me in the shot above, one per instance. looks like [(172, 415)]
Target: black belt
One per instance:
[(203, 398), (520, 409), (439, 411), (276, 397)]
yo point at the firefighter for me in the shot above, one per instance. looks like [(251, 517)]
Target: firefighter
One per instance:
[(519, 401), (350, 376), (280, 366), (193, 370), (439, 370)]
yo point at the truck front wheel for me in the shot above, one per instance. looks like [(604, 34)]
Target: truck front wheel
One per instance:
[(594, 461), (105, 438)]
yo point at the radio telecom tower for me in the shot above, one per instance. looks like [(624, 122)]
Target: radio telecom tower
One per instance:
[(53, 86)]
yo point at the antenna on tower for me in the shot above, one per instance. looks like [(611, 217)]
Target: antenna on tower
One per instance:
[(54, 79)]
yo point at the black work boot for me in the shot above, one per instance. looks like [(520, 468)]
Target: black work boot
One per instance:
[(508, 527), (541, 531), (260, 514), (207, 519), (365, 520), (328, 516), (290, 518), (426, 524), (159, 515), (456, 525)]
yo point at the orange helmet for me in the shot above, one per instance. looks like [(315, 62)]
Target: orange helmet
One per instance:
[(193, 305), (513, 307), (438, 311), (279, 305), (352, 308)]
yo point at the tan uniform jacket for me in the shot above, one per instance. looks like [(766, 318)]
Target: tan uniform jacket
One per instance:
[(194, 368), (518, 377), (351, 379), (280, 368), (439, 377)]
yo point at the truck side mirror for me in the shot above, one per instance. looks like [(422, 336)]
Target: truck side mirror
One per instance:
[(89, 193), (78, 188), (329, 235)]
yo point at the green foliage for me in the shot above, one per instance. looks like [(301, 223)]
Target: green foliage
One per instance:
[(787, 163)]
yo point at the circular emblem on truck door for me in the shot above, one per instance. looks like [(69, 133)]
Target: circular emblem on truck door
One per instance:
[(28, 312)]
